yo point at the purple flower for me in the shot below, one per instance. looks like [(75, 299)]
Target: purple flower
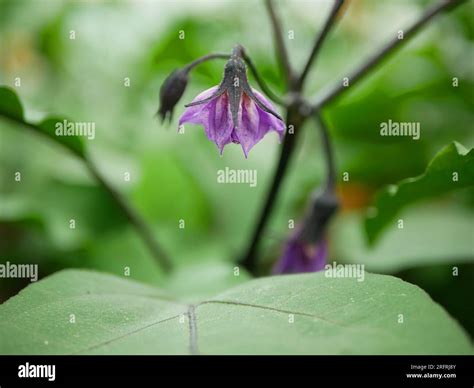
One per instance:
[(233, 112), (300, 257)]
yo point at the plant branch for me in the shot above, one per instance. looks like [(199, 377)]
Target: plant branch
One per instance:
[(328, 152), (272, 96), (298, 111), (281, 51), (249, 259), (320, 40), (204, 58), (134, 218), (385, 51)]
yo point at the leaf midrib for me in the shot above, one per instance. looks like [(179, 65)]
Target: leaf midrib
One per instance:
[(190, 312)]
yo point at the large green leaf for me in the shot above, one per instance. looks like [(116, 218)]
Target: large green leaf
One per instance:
[(451, 169), (296, 314), (197, 281)]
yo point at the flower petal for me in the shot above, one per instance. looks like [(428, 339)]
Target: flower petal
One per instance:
[(219, 121), (214, 116), (247, 131), (299, 257), (292, 259), (192, 113), (319, 257), (268, 121)]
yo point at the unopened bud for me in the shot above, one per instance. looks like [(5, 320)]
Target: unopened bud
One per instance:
[(171, 92), (322, 207)]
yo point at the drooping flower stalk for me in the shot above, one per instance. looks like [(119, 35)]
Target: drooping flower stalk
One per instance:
[(175, 84)]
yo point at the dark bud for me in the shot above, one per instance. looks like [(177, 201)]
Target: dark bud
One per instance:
[(322, 207), (171, 92)]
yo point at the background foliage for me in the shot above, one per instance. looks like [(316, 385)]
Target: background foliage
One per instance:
[(174, 176)]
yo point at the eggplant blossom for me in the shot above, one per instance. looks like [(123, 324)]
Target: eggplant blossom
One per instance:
[(299, 256), (233, 112)]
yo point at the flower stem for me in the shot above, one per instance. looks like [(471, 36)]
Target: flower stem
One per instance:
[(281, 51), (205, 58), (272, 96), (134, 218), (385, 51), (320, 40), (294, 118), (328, 152)]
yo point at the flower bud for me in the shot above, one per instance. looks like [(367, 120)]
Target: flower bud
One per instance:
[(306, 250), (322, 207), (299, 257), (171, 91)]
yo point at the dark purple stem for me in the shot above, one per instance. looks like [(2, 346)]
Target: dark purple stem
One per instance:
[(336, 90), (320, 40), (281, 50)]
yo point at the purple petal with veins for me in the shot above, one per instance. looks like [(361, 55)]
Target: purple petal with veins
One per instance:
[(215, 116)]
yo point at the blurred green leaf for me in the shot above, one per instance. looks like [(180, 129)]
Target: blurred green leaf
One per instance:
[(73, 143), (90, 206), (433, 233), (399, 94), (122, 252), (10, 105), (50, 38), (168, 192), (451, 169), (359, 161), (276, 315), (448, 285)]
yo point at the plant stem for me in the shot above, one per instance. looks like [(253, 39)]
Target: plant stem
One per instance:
[(134, 218), (319, 41), (294, 118), (385, 51), (281, 51), (272, 96), (190, 66), (205, 58), (328, 152)]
